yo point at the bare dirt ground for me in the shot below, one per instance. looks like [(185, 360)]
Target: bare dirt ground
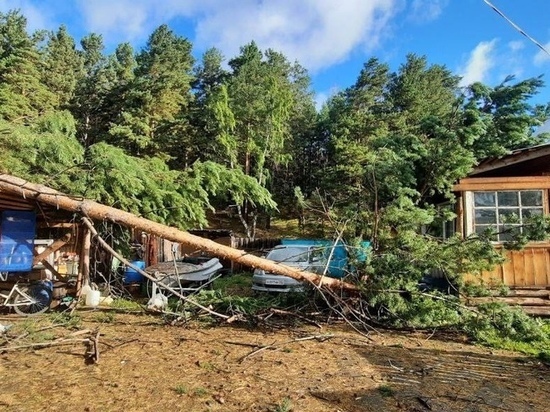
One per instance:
[(146, 365)]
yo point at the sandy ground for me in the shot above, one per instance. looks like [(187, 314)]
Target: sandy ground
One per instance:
[(147, 365)]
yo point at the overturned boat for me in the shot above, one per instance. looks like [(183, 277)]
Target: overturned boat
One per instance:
[(187, 274)]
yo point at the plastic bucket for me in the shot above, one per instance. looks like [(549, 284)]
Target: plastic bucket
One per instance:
[(131, 275), (92, 298)]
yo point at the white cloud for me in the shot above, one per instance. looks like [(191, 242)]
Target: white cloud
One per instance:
[(542, 57), (38, 16), (317, 33), (481, 61), (516, 45), (427, 10)]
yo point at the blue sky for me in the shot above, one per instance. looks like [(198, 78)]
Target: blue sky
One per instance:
[(331, 38)]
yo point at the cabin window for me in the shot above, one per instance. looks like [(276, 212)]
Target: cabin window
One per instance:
[(504, 210), (444, 223)]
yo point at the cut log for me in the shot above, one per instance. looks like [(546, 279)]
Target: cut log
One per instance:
[(536, 310), (511, 300), (530, 293), (97, 211)]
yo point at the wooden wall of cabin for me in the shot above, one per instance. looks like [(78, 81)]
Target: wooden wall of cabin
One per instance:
[(526, 268)]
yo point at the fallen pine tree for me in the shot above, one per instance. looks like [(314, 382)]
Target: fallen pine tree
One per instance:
[(97, 211)]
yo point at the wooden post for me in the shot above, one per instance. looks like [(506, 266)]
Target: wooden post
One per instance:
[(84, 259)]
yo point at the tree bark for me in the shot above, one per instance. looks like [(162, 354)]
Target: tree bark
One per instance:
[(97, 211)]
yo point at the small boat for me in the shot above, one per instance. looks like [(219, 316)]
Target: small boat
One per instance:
[(186, 271)]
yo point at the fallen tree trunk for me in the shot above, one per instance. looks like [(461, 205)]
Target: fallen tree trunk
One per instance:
[(97, 211)]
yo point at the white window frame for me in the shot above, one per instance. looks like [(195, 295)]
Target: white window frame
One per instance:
[(469, 208)]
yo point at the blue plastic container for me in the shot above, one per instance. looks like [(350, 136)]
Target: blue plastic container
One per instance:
[(17, 230), (131, 275)]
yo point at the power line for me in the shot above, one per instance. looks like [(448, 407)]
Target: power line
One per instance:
[(515, 26)]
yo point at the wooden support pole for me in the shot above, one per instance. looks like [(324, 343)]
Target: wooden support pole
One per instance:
[(84, 259)]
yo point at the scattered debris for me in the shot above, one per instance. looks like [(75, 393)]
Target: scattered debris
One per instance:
[(4, 328), (157, 303)]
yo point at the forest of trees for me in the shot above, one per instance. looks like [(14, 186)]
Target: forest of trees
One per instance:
[(164, 136), (156, 133)]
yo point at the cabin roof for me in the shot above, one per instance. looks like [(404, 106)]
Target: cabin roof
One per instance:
[(527, 161)]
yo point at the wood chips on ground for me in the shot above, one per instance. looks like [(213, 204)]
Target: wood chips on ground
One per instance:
[(146, 365)]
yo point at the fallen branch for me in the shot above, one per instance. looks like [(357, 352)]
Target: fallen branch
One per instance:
[(286, 312), (45, 344), (25, 334), (93, 348), (91, 209), (261, 349), (319, 338)]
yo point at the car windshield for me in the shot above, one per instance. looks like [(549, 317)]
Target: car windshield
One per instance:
[(289, 254)]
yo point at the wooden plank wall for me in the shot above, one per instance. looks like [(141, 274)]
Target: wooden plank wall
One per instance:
[(529, 267)]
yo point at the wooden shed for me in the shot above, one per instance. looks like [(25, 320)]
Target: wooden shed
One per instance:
[(517, 185), (61, 244)]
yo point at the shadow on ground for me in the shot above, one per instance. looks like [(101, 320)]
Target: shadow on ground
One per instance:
[(419, 379)]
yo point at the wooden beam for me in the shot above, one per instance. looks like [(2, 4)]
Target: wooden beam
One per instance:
[(510, 300), (536, 310), (55, 225), (512, 158), (84, 261), (502, 183), (54, 247)]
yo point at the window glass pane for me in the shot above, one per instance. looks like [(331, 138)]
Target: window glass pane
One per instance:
[(505, 211), (484, 198), (528, 212), (507, 232), (483, 229), (485, 216), (508, 215), (449, 229), (508, 199), (531, 198)]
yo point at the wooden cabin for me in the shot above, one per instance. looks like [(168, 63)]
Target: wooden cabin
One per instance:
[(515, 184)]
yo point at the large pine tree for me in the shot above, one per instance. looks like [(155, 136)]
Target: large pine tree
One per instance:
[(23, 95)]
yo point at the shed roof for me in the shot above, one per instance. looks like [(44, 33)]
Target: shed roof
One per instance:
[(44, 212), (527, 161)]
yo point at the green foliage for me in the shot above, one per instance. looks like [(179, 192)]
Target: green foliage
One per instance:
[(126, 305), (245, 305), (180, 389), (23, 96), (498, 321), (66, 319), (62, 66), (235, 282), (284, 406), (105, 317), (386, 390), (152, 120)]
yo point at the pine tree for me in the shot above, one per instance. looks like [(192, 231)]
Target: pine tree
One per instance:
[(158, 99), (62, 67), (23, 97)]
